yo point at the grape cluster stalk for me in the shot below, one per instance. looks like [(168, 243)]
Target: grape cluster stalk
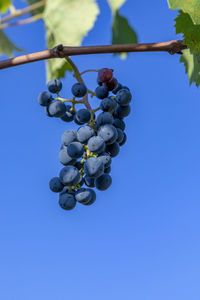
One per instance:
[(87, 153)]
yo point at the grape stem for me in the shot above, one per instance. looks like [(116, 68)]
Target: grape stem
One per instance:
[(69, 100), (96, 109), (172, 47), (89, 70), (77, 74), (78, 77)]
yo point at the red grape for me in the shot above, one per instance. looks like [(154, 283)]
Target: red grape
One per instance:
[(105, 75)]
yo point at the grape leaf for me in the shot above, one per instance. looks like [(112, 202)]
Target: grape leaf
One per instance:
[(191, 56), (191, 32), (67, 22), (6, 45), (192, 66), (122, 32), (192, 7), (56, 67), (116, 4), (4, 5)]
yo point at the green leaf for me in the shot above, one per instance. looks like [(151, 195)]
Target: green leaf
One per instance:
[(191, 32), (115, 4), (67, 22), (122, 33), (56, 67), (192, 7), (191, 56), (192, 65), (6, 46), (30, 2), (4, 5)]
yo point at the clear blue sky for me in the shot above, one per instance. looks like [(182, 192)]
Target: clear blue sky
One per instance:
[(140, 240)]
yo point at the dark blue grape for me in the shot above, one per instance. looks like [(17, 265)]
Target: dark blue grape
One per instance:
[(83, 195), (75, 150), (56, 185), (46, 110), (93, 167), (101, 92), (69, 136), (69, 115), (104, 118), (122, 111), (84, 134), (111, 85), (83, 116), (64, 157), (103, 182), (54, 85), (108, 104), (106, 159), (123, 97), (124, 140), (120, 135), (79, 89), (125, 87), (78, 165), (113, 149), (108, 133), (89, 181), (81, 182), (64, 191), (96, 144), (67, 201), (57, 109), (99, 82), (93, 199), (118, 123), (118, 87), (77, 121), (44, 98), (69, 175), (107, 170), (63, 147)]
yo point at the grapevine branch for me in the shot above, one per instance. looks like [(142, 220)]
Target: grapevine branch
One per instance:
[(172, 47), (24, 11), (22, 22)]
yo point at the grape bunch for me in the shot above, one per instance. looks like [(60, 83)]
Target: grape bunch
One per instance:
[(87, 153)]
